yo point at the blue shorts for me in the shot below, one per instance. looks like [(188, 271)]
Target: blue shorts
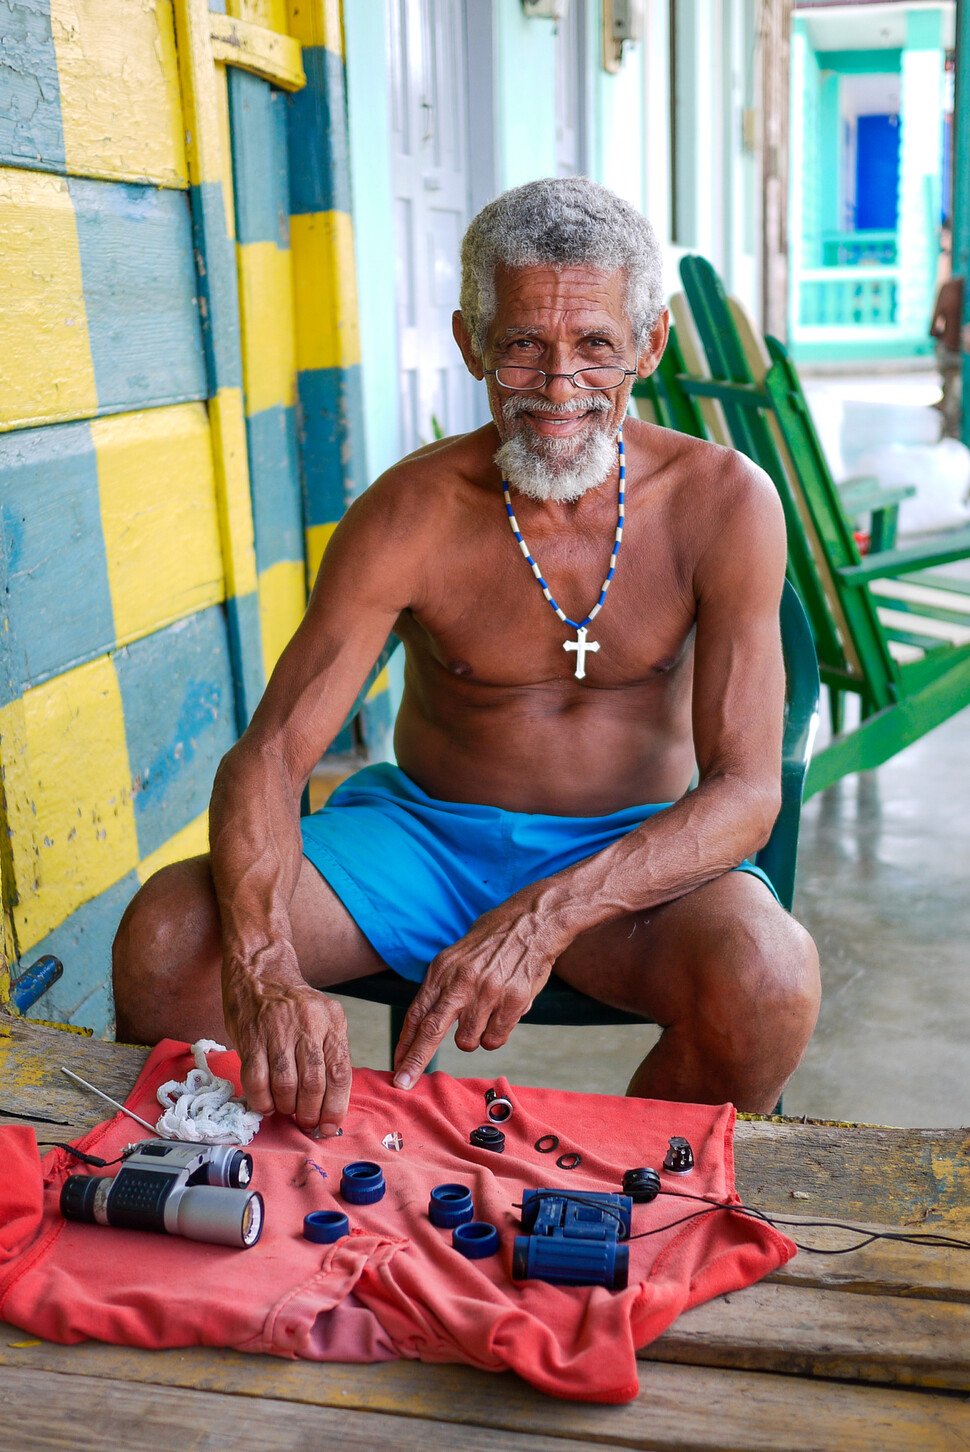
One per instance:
[(414, 873)]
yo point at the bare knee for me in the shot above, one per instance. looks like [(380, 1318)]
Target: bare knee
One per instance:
[(758, 997), (166, 954)]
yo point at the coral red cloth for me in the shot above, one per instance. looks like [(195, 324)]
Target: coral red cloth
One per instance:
[(394, 1286)]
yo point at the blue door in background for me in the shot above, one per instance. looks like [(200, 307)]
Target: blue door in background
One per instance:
[(877, 174)]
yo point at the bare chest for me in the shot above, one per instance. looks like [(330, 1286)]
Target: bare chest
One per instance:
[(486, 620)]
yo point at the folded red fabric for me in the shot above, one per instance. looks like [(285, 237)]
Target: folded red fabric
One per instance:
[(394, 1286)]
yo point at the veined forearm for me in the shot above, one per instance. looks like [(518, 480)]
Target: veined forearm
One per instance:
[(705, 834), (255, 851)]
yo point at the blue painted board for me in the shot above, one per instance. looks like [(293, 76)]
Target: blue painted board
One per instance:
[(331, 439), (83, 944), (140, 293), (260, 165), (219, 301), (31, 133), (57, 598), (177, 693), (274, 475), (319, 165)]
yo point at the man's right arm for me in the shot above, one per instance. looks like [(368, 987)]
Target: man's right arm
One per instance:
[(291, 1038)]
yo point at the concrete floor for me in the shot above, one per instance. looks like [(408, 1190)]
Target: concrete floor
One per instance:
[(883, 874)]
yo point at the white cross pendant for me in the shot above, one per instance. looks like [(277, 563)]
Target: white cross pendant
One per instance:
[(581, 645)]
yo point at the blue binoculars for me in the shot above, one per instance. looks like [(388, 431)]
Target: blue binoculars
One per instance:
[(573, 1239)]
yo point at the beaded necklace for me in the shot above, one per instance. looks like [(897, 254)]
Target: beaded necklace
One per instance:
[(580, 645)]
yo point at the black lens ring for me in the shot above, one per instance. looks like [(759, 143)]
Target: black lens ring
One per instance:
[(572, 1155), (546, 1144)]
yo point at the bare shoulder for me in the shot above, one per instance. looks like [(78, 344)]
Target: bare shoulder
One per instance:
[(713, 487)]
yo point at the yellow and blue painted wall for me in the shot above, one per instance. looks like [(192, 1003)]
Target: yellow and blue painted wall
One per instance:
[(179, 427)]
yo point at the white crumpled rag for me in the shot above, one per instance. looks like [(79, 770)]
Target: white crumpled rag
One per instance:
[(205, 1107)]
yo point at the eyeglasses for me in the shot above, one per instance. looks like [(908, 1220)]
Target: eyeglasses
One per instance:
[(523, 380)]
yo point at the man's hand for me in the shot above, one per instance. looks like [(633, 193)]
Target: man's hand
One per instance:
[(487, 981), (292, 1042)]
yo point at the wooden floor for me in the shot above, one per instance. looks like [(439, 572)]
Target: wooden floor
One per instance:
[(863, 1351)]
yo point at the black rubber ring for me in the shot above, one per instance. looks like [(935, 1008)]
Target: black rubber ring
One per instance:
[(576, 1159), (547, 1143)]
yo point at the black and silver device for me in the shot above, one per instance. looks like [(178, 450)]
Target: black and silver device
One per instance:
[(199, 1191)]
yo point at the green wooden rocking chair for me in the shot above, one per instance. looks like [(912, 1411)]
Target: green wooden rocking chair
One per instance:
[(558, 1003), (887, 627)]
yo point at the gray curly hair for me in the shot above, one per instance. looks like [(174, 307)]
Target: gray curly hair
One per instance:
[(561, 222)]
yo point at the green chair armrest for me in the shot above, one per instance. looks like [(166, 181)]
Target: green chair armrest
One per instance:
[(861, 497), (942, 549)]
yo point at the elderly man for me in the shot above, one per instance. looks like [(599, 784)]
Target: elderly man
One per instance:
[(539, 819)]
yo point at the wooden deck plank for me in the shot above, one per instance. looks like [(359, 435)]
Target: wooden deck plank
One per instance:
[(679, 1409), (809, 1332), (883, 1269), (856, 1172), (81, 1414)]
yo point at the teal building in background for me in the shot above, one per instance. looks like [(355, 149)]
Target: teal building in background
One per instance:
[(871, 128)]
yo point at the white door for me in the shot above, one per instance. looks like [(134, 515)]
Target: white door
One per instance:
[(429, 151)]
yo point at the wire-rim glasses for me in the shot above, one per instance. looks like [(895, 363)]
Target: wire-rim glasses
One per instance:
[(524, 380)]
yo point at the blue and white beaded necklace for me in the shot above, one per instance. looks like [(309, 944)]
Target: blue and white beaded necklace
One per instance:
[(580, 645)]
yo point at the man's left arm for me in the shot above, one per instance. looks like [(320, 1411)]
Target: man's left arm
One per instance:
[(490, 977)]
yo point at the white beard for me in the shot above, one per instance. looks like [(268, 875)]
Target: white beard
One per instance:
[(555, 469)]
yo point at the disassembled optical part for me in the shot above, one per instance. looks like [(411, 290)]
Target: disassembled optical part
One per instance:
[(475, 1240), (450, 1205), (362, 1183), (546, 1143), (487, 1136), (325, 1226), (679, 1159), (642, 1185), (497, 1106)]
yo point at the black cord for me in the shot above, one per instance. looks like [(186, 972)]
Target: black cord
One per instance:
[(79, 1154), (928, 1238)]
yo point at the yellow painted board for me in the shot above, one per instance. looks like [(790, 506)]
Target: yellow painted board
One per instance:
[(382, 683), (271, 14), (46, 370), (199, 92), (317, 539), (325, 290), (317, 22), (266, 53), (76, 758), (159, 516), (266, 317), (282, 602), (192, 841), (120, 103), (232, 491), (225, 149)]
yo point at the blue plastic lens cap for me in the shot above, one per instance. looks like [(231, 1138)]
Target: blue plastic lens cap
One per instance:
[(325, 1226), (450, 1205), (362, 1183), (475, 1240)]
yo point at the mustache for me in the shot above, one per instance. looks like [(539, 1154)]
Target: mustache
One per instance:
[(521, 403)]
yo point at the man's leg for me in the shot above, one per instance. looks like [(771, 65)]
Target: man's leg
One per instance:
[(168, 952), (728, 974)]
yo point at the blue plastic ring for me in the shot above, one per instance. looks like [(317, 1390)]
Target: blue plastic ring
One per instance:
[(325, 1226), (362, 1183), (450, 1205), (475, 1240)]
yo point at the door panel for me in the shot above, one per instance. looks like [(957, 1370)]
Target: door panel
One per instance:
[(429, 146)]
